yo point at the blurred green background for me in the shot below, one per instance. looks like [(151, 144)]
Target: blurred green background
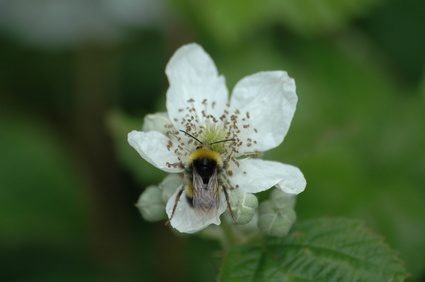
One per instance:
[(76, 76)]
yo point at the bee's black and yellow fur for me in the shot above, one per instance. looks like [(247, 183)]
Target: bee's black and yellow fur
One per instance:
[(202, 183), (203, 179)]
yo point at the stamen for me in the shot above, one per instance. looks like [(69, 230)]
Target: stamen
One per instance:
[(204, 128)]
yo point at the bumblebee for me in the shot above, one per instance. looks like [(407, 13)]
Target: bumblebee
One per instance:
[(203, 179)]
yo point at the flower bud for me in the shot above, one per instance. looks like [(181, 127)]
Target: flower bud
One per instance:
[(150, 204), (282, 200), (274, 220), (243, 205), (169, 185), (156, 122)]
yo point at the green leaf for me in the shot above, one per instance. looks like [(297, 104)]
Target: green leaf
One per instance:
[(316, 250)]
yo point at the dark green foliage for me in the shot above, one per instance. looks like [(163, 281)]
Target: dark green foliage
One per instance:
[(317, 250)]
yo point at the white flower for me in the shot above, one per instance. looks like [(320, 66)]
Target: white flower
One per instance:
[(255, 119)]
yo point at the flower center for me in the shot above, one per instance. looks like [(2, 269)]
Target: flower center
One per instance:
[(197, 127)]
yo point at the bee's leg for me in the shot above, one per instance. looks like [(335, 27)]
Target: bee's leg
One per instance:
[(226, 183), (175, 205), (229, 207)]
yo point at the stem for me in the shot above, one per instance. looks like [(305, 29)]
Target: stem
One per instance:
[(230, 237)]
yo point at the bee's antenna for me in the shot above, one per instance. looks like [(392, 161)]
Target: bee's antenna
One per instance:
[(221, 141), (188, 134)]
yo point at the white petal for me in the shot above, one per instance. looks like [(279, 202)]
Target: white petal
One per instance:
[(188, 220), (267, 102), (152, 146), (193, 75), (293, 182), (255, 175), (156, 122)]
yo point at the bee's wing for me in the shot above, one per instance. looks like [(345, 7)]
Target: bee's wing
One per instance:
[(205, 196)]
